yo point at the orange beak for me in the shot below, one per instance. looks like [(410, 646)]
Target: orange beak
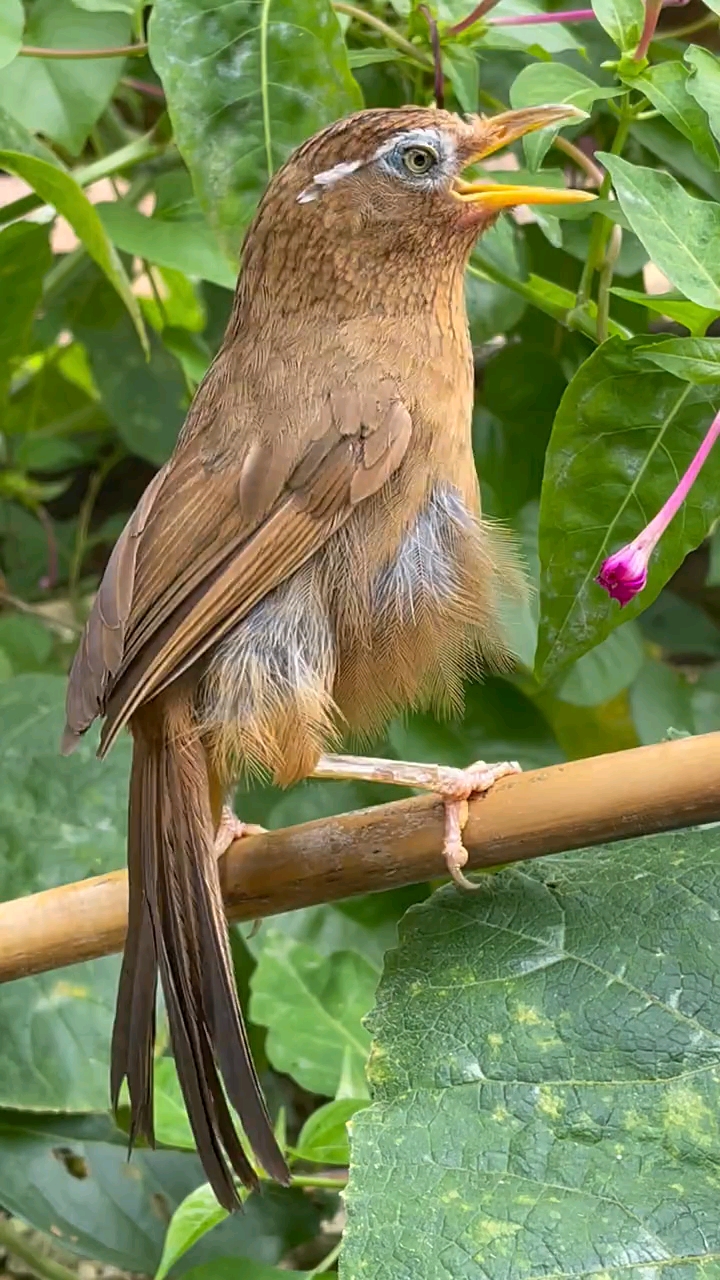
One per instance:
[(498, 132)]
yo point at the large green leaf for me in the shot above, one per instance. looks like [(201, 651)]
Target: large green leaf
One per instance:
[(623, 434), (59, 189), (312, 1006), (24, 258), (63, 97), (681, 234), (60, 820), (246, 82), (671, 91), (546, 1076)]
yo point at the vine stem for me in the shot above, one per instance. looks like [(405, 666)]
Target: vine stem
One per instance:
[(390, 34), (38, 1262), (122, 51), (327, 1182)]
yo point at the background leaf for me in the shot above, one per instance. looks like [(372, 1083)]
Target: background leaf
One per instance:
[(681, 234), (61, 191), (62, 98), (245, 86)]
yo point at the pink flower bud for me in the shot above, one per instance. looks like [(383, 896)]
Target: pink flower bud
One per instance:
[(624, 574)]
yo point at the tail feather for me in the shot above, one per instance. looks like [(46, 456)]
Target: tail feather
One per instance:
[(177, 928)]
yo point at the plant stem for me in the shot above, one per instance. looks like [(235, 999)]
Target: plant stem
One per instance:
[(438, 78), (474, 16), (37, 1261), (84, 517), (390, 34), (122, 51), (326, 1263), (601, 223), (310, 1180), (578, 157), (605, 282), (537, 19)]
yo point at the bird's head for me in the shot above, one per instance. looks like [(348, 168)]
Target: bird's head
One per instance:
[(382, 192)]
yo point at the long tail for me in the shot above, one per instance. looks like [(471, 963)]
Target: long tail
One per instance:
[(177, 928)]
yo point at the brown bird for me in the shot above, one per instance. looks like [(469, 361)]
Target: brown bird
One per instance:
[(309, 561)]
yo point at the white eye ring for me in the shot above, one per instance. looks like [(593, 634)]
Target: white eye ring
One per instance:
[(419, 160)]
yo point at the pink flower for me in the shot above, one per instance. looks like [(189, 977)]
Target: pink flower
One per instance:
[(624, 574)]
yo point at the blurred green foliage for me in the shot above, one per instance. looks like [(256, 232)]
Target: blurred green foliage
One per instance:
[(137, 177)]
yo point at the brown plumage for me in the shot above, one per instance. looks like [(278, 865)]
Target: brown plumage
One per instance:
[(309, 560)]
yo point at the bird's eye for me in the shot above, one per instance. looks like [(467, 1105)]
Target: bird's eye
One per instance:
[(419, 160)]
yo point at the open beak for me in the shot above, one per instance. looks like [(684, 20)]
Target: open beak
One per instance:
[(498, 132)]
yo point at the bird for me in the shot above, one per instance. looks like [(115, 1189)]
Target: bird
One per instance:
[(311, 560)]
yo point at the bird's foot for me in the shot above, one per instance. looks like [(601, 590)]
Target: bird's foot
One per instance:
[(454, 786), (232, 828)]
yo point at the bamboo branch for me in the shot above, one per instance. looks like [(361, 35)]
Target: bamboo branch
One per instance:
[(566, 806)]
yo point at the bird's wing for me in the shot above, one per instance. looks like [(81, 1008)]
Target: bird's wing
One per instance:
[(208, 541)]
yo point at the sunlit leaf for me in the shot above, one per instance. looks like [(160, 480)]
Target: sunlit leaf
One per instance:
[(680, 233)]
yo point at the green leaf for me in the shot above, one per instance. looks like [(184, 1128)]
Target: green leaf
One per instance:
[(241, 1269), (187, 246), (198, 1214), (63, 97), (70, 1176), (546, 1076), (623, 21), (462, 68), (12, 22), (172, 1127), (145, 399), (674, 306), (676, 153), (669, 88), (58, 188), (623, 434), (245, 84), (692, 359), (704, 83), (543, 82), (24, 258), (492, 308), (660, 699), (313, 1008), (15, 137), (324, 1136), (680, 233), (606, 670), (25, 642), (77, 808)]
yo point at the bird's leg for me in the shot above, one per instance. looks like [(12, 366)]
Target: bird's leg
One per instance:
[(454, 786), (232, 828)]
